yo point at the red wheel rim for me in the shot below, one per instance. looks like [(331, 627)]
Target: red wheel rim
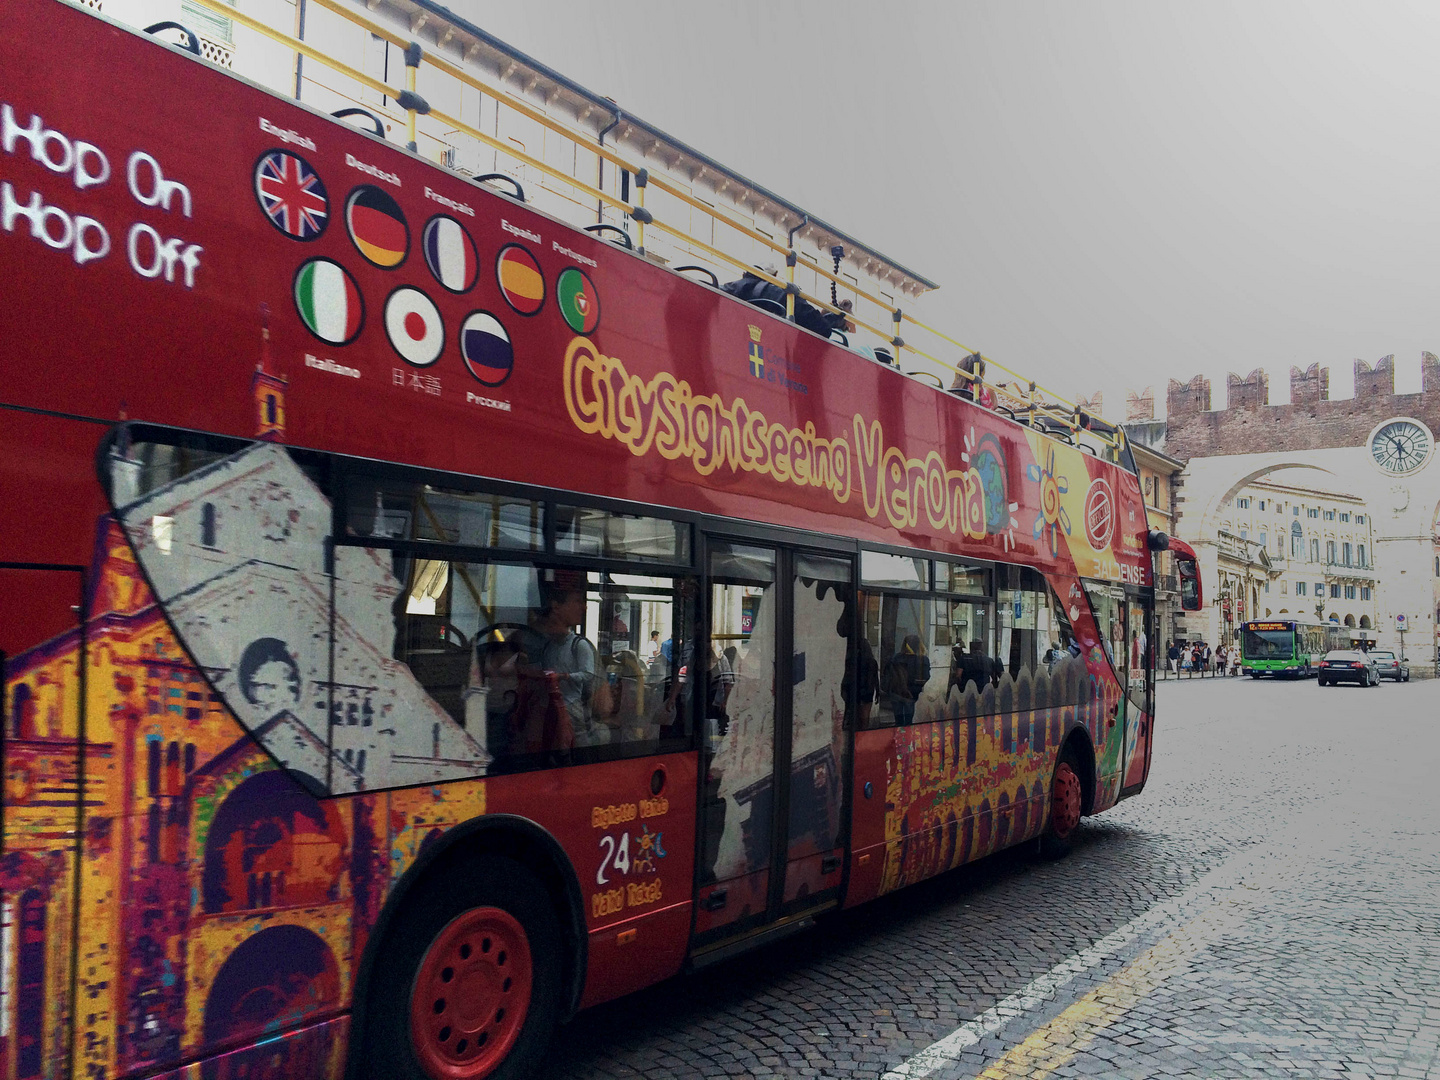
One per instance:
[(1065, 801), (471, 995)]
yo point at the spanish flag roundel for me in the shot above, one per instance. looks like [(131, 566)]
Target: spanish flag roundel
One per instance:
[(329, 301), (520, 280), (579, 304), (377, 226)]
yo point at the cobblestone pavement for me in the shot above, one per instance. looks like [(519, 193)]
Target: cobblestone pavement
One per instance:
[(1270, 906)]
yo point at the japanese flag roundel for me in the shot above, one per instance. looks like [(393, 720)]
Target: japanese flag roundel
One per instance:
[(329, 301), (486, 348), (412, 323), (578, 302), (450, 253)]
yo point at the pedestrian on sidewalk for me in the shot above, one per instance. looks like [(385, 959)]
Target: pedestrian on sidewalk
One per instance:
[(1174, 657), (1220, 655), (1204, 659)]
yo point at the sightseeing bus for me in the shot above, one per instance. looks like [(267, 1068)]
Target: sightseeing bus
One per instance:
[(1292, 647), (424, 619)]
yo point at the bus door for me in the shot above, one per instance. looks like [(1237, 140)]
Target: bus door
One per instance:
[(41, 762), (775, 754), (1138, 672)]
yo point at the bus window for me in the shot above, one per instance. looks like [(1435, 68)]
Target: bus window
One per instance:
[(402, 510), (537, 665), (581, 530)]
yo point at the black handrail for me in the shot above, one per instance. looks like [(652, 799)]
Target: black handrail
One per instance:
[(519, 191), (715, 281), (192, 39), (341, 114), (605, 226)]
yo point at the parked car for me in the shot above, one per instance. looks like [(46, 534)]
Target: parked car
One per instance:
[(1347, 665), (1391, 666)]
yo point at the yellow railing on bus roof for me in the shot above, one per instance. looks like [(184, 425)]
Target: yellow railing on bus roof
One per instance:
[(1032, 400)]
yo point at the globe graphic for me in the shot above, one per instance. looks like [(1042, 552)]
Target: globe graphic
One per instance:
[(992, 478)]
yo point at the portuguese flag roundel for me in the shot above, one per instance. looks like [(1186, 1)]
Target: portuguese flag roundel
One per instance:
[(377, 226), (579, 304), (520, 280), (329, 301)]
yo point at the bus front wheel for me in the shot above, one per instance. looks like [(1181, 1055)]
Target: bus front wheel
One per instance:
[(469, 986)]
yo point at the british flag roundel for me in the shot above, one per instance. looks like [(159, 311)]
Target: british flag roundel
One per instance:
[(291, 194)]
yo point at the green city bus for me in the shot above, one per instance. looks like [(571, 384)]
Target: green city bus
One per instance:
[(1287, 646)]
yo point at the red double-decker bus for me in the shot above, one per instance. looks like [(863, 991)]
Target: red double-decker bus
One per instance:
[(424, 619)]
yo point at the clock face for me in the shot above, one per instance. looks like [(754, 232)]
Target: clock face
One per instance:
[(1400, 446)]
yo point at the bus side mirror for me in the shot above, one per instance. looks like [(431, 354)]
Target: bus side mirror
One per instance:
[(1187, 568)]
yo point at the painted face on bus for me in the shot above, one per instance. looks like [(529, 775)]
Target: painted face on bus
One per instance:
[(275, 686)]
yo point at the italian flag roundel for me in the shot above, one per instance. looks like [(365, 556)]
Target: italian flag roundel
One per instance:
[(450, 253), (329, 302), (575, 293), (412, 323)]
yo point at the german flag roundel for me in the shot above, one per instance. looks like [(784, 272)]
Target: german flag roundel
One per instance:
[(450, 253), (329, 302), (377, 225), (575, 293), (412, 323), (520, 280), (486, 348)]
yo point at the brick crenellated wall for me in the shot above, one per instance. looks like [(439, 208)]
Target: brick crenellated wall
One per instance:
[(1310, 422)]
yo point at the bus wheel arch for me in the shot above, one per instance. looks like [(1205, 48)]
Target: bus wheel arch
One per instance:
[(495, 837), (1078, 749)]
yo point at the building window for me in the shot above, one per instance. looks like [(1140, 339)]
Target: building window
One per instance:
[(1360, 555), (1349, 592), (1314, 550), (1284, 588), (1319, 588), (1359, 519), (1347, 551), (1344, 517), (1262, 504), (1329, 551), (1329, 515), (1297, 540), (1300, 588), (1364, 592), (1244, 533), (1295, 510), (1267, 586), (1264, 539), (1310, 511), (1334, 592)]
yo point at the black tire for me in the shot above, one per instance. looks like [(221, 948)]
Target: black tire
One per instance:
[(1322, 682), (385, 1051)]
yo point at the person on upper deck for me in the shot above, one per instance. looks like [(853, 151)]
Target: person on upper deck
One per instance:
[(971, 373), (751, 287)]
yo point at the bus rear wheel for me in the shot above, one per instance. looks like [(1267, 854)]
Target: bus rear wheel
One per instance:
[(468, 986), (1066, 798)]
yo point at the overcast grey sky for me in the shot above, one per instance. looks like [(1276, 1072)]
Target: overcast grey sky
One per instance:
[(1109, 194)]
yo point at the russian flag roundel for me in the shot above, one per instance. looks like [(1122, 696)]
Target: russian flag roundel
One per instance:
[(412, 323), (486, 348), (377, 226), (450, 253), (521, 282), (329, 301), (579, 304), (291, 194)]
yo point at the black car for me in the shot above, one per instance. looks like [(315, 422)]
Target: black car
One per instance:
[(1345, 665), (1391, 666)]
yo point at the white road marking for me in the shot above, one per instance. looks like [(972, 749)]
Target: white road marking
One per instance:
[(1043, 988)]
